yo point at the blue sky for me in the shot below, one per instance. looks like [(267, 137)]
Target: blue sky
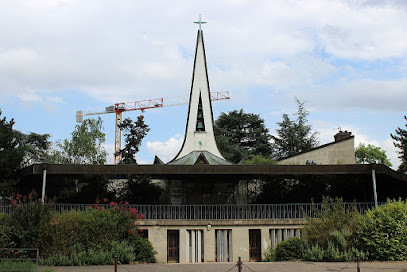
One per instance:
[(347, 59)]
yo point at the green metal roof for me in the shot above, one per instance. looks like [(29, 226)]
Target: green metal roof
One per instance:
[(192, 157)]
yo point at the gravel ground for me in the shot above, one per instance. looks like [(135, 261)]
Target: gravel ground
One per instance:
[(248, 267)]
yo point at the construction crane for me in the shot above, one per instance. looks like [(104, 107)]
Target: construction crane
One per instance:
[(142, 105)]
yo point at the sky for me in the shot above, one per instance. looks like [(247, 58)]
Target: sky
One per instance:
[(347, 59)]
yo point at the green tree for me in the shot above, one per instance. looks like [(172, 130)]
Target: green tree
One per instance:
[(294, 136), (259, 159), (85, 146), (371, 154), (17, 150), (36, 147), (134, 133), (11, 156), (400, 141), (240, 135), (140, 190)]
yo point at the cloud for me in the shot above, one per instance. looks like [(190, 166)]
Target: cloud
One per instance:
[(378, 95), (167, 150), (123, 51), (327, 130)]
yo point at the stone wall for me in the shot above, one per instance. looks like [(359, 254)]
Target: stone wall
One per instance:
[(342, 152), (272, 231)]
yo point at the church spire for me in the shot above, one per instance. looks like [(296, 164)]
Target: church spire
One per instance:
[(199, 133)]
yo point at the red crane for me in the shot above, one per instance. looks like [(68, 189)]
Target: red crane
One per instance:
[(142, 105)]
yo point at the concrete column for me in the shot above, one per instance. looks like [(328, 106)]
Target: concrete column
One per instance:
[(279, 235), (193, 248), (273, 238), (183, 246), (265, 241), (188, 248), (158, 238), (225, 246), (209, 244), (199, 246)]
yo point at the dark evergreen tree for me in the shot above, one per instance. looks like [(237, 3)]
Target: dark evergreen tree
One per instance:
[(400, 141), (16, 151), (294, 136), (239, 135), (134, 133)]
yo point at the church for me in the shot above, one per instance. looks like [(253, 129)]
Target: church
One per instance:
[(208, 217)]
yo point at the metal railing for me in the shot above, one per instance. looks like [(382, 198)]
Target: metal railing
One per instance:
[(219, 212), (19, 259)]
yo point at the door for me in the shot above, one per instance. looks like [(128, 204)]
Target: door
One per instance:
[(173, 246), (254, 245)]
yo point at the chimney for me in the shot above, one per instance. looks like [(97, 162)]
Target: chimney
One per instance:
[(341, 135)]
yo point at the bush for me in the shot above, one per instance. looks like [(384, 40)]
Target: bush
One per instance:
[(383, 231), (333, 254), (95, 255), (143, 251), (27, 220), (334, 224), (270, 255), (17, 266), (290, 250)]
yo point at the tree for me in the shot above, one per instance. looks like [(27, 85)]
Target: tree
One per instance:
[(35, 148), (85, 147), (141, 190), (294, 136), (17, 150), (134, 133), (259, 159), (400, 141), (371, 154), (239, 135)]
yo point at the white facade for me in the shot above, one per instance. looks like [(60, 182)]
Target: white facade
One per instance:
[(195, 139)]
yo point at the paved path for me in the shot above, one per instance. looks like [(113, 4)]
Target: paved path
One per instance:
[(257, 267)]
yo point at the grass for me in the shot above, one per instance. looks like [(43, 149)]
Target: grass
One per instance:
[(20, 266)]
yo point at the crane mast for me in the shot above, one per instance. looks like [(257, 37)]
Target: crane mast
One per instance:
[(142, 105)]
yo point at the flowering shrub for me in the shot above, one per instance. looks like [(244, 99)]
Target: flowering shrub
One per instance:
[(93, 236), (27, 220)]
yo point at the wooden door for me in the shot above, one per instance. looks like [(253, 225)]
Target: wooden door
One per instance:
[(173, 246), (255, 245)]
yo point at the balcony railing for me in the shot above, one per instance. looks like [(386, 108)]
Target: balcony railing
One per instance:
[(218, 212)]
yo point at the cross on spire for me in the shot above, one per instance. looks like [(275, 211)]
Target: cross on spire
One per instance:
[(200, 22)]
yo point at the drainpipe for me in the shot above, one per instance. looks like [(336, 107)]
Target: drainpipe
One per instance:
[(44, 181), (373, 165)]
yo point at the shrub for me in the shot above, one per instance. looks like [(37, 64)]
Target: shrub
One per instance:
[(27, 220), (143, 250), (270, 255), (314, 254), (95, 255), (383, 231), (17, 266), (333, 254), (103, 225), (291, 249), (334, 224)]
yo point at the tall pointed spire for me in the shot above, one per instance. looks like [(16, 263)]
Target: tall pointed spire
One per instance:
[(199, 134)]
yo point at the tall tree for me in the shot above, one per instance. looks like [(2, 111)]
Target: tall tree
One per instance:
[(400, 141), (294, 136), (239, 135), (371, 154), (85, 146), (16, 151), (11, 156), (134, 133), (36, 147)]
